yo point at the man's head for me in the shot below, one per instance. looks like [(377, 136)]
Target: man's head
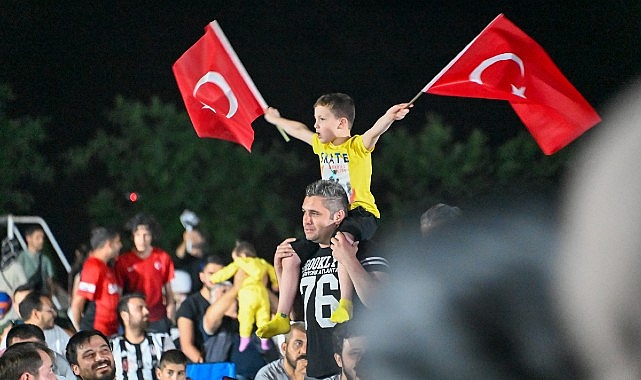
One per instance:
[(211, 265), (349, 347), (35, 237), (295, 345), (172, 366), (143, 230), (438, 215), (133, 312), (27, 361), (89, 355), (18, 296), (106, 241), (324, 208), (38, 308), (25, 332)]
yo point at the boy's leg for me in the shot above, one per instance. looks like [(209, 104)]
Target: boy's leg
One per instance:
[(288, 286), (343, 312)]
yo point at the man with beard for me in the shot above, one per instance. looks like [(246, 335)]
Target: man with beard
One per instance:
[(38, 309), (90, 357), (349, 348), (293, 366), (137, 352)]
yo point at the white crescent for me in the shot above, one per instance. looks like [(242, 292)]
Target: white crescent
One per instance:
[(475, 75), (217, 79)]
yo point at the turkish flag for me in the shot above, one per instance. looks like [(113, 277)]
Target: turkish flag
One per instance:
[(505, 63), (221, 99)]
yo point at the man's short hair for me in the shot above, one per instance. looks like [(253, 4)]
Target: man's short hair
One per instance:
[(78, 339), (25, 331), (123, 303), (31, 302), (172, 356), (101, 235), (300, 326), (342, 332), (22, 357), (31, 229), (335, 198), (212, 259)]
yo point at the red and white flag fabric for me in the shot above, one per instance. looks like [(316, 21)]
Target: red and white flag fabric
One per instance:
[(221, 98), (503, 62)]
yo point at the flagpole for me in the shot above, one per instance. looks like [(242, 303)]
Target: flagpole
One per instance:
[(283, 133), (414, 98)]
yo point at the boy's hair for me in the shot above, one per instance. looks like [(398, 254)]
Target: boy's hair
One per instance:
[(174, 357), (101, 235), (245, 247), (78, 339), (25, 331), (143, 220), (335, 198), (341, 105)]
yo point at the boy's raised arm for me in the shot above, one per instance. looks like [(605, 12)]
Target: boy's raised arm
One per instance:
[(396, 112), (293, 128)]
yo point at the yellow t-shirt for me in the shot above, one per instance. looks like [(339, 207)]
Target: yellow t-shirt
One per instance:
[(350, 164)]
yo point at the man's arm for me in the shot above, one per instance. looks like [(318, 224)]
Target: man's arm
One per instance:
[(77, 306), (293, 128), (396, 112), (186, 329), (226, 296), (171, 305), (365, 282)]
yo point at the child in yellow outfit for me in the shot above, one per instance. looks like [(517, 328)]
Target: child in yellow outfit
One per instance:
[(253, 299)]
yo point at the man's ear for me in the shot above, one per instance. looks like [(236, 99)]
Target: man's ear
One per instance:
[(76, 369), (339, 360), (158, 373), (339, 216)]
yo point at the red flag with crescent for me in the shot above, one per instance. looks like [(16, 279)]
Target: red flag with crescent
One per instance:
[(221, 98), (503, 62)]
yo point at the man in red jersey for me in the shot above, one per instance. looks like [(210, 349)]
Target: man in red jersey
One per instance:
[(98, 285), (148, 270)]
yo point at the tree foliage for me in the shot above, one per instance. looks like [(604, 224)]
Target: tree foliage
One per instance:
[(23, 166), (157, 154), (413, 171)]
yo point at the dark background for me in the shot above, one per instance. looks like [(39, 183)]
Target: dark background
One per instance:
[(68, 60)]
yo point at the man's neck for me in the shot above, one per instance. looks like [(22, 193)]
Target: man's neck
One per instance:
[(143, 254), (205, 293), (135, 336)]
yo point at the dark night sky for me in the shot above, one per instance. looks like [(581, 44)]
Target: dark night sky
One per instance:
[(68, 60)]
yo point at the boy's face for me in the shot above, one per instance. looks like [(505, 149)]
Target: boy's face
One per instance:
[(326, 124), (142, 238), (171, 371)]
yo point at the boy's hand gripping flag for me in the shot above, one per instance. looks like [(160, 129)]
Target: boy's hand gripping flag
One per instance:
[(221, 99), (504, 63)]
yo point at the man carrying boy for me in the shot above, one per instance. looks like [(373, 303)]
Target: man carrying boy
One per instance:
[(344, 159), (324, 208)]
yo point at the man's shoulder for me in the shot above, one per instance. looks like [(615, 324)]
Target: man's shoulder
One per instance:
[(272, 371)]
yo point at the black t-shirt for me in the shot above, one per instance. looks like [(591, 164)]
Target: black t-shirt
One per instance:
[(320, 289)]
